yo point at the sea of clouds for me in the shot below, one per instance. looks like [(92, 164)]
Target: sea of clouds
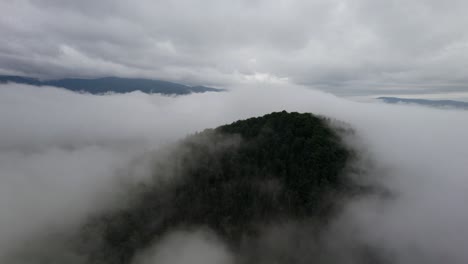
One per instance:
[(65, 155)]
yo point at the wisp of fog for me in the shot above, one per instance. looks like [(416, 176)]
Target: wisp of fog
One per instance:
[(65, 156)]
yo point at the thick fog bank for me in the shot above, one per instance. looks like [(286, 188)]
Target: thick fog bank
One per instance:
[(65, 156)]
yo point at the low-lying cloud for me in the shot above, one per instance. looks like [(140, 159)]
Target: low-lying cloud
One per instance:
[(64, 156)]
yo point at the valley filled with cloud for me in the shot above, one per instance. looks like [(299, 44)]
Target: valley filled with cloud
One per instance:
[(66, 156)]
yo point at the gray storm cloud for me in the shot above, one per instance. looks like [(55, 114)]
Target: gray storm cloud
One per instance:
[(344, 46), (63, 155)]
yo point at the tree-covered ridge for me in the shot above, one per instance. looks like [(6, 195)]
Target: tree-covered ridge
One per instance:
[(234, 180)]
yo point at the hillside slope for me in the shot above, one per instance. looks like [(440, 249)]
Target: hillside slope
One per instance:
[(234, 180)]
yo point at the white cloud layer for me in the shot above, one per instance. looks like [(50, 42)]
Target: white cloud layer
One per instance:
[(63, 154)]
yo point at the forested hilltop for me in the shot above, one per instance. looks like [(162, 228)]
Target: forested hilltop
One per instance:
[(266, 190), (234, 180)]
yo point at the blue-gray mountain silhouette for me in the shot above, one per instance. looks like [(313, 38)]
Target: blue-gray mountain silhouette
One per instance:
[(426, 102), (112, 84)]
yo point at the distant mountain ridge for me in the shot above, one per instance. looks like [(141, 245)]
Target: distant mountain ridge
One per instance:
[(112, 84), (426, 102)]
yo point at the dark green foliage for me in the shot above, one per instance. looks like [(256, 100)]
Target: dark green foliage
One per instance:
[(235, 179)]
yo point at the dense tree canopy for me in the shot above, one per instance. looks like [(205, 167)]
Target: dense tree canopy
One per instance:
[(233, 180)]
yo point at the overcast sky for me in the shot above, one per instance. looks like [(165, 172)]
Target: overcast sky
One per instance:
[(349, 47)]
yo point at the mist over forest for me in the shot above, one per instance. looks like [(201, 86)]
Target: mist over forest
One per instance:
[(233, 132), (303, 176)]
